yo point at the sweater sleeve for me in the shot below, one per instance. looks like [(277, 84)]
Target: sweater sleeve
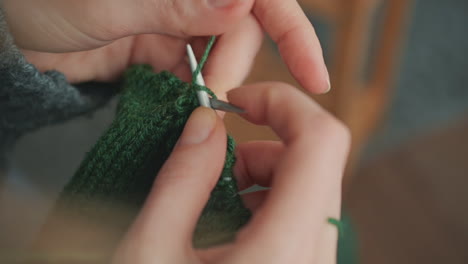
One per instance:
[(30, 99)]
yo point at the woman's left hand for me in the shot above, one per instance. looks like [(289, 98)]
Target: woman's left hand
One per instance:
[(98, 39)]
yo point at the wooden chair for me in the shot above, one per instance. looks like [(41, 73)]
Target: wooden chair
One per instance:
[(360, 103)]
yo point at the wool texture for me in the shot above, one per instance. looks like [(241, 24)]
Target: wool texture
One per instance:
[(120, 169)]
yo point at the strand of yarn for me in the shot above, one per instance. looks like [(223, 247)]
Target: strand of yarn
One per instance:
[(338, 224), (203, 59)]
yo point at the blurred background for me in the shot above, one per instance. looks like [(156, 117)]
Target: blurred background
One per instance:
[(399, 71)]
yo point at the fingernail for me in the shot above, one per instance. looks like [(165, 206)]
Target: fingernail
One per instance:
[(220, 3), (329, 85), (199, 126), (328, 80)]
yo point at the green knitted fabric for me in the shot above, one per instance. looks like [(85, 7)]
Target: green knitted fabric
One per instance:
[(120, 169)]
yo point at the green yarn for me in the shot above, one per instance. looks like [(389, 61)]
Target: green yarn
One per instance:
[(338, 224), (203, 59), (120, 169)]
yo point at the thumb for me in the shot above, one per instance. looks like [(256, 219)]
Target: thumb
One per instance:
[(202, 17), (76, 25), (183, 186)]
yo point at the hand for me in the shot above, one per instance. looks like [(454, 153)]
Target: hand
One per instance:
[(98, 39), (289, 223)]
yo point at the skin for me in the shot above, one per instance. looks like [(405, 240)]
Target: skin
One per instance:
[(289, 224), (98, 39)]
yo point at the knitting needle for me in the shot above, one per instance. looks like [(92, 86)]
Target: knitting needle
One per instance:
[(203, 97)]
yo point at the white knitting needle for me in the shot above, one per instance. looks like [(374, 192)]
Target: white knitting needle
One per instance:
[(203, 97)]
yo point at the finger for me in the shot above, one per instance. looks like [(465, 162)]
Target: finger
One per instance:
[(229, 62), (298, 44), (327, 247), (101, 64), (232, 57), (183, 71), (282, 107), (184, 18), (181, 190), (64, 26), (254, 200), (306, 180), (214, 254), (255, 162), (162, 52)]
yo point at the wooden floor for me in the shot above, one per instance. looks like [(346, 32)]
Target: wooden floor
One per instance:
[(411, 206)]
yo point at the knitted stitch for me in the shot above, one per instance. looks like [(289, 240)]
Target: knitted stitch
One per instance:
[(120, 169)]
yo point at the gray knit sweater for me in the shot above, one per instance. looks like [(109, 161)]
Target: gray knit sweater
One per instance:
[(30, 99)]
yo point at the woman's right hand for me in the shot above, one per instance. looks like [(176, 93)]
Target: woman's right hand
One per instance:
[(289, 223)]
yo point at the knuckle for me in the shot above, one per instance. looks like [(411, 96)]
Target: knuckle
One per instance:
[(197, 18), (178, 17), (313, 117), (173, 17), (277, 91), (278, 94), (329, 127)]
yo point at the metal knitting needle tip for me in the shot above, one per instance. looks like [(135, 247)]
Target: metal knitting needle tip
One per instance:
[(203, 97), (225, 106)]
